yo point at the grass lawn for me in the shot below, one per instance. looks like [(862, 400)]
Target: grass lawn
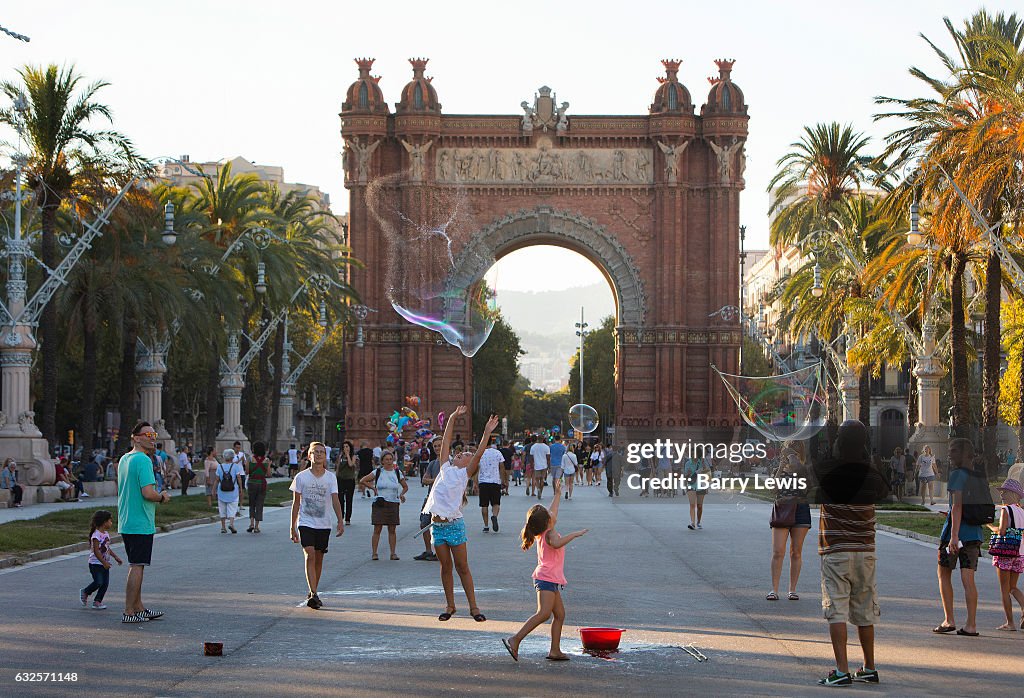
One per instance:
[(928, 524), (71, 526)]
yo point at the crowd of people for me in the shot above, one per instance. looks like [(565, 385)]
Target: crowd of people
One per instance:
[(847, 485)]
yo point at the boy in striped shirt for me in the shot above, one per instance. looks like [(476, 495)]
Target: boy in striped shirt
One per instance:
[(847, 489)]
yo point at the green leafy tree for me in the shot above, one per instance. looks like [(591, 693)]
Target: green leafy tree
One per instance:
[(67, 156), (598, 372), (495, 371)]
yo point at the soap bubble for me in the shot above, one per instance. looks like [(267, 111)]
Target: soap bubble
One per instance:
[(789, 407), (583, 418), (422, 226)]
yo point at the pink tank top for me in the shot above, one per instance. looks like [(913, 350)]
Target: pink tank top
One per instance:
[(550, 562)]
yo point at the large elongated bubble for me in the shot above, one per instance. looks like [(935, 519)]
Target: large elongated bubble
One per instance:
[(424, 226), (782, 408)]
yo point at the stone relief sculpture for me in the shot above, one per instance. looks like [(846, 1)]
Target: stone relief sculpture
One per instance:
[(362, 154), (724, 155), (417, 153), (528, 114), (563, 120), (545, 165), (672, 153)]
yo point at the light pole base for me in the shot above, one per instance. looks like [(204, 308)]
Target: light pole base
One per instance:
[(35, 467)]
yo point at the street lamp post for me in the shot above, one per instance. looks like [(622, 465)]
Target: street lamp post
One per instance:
[(581, 332), (743, 289)]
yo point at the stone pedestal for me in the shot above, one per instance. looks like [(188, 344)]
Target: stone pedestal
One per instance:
[(151, 371), (929, 430), (232, 385), (848, 387), (19, 437), (285, 419)]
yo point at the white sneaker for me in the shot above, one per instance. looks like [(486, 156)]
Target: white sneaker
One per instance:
[(99, 605), (85, 494), (699, 526)]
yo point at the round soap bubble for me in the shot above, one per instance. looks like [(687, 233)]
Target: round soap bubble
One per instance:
[(788, 407), (583, 418), (422, 226)]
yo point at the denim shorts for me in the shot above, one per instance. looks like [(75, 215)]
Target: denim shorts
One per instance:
[(544, 585), (452, 533)]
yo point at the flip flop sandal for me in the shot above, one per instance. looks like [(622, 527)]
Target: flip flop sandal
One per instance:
[(944, 629), (563, 658), (772, 596), (961, 631), (374, 558), (793, 596), (446, 615), (395, 557), (478, 616), (508, 646)]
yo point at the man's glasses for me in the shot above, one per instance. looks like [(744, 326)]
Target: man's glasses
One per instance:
[(150, 434)]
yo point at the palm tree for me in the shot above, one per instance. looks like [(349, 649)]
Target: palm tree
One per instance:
[(66, 155), (954, 130), (825, 167)]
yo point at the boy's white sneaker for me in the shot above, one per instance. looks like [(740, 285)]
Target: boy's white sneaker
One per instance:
[(99, 605)]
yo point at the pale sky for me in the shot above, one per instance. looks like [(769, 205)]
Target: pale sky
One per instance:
[(265, 80)]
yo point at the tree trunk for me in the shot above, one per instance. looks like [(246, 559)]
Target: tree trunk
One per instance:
[(264, 390), (48, 329), (212, 397), (864, 396), (87, 415), (275, 389), (958, 348), (1020, 412), (167, 404), (993, 352), (126, 397)]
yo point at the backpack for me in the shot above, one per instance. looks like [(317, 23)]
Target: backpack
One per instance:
[(978, 507), (227, 483)]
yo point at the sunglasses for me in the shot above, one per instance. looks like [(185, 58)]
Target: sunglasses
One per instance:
[(150, 434)]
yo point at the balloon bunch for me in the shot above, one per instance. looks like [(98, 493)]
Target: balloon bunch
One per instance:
[(406, 418)]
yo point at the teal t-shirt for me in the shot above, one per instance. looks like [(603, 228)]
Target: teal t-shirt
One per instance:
[(957, 483), (135, 514), (557, 451)]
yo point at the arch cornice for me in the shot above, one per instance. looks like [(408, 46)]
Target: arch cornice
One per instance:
[(545, 224)]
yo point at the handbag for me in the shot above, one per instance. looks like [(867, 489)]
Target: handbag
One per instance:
[(1008, 544), (784, 512)]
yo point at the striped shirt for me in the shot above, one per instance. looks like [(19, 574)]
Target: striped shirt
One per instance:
[(846, 528), (847, 493)]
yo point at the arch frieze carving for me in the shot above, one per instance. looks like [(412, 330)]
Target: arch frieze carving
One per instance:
[(544, 222)]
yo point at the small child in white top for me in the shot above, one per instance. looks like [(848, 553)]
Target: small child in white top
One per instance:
[(444, 505), (99, 559)]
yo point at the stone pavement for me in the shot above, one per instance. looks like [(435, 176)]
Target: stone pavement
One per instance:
[(639, 568)]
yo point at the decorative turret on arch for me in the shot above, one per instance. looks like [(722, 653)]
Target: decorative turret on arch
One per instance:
[(545, 225)]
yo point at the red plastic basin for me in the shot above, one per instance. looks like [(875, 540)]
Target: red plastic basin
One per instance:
[(601, 638)]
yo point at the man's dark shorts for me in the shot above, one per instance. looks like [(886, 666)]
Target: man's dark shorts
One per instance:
[(490, 494), (316, 538), (967, 557), (138, 548)]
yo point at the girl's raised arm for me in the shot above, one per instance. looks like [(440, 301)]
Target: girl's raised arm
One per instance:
[(449, 429)]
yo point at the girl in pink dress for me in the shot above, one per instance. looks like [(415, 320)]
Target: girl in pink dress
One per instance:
[(548, 577)]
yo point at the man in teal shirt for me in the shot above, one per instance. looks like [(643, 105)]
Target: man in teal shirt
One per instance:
[(959, 542), (137, 498)]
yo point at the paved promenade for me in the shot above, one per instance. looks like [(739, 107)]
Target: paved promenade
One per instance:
[(639, 568)]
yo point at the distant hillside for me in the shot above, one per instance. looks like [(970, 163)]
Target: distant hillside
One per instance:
[(546, 325), (555, 313)]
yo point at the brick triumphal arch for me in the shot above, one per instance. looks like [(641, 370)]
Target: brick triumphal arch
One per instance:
[(652, 200)]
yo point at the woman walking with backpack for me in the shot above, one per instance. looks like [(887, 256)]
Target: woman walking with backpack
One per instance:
[(228, 485), (389, 487)]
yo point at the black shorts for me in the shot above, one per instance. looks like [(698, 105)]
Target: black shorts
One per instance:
[(316, 538), (490, 494), (138, 548)]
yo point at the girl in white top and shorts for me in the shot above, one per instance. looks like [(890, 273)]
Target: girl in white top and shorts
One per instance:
[(444, 505)]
